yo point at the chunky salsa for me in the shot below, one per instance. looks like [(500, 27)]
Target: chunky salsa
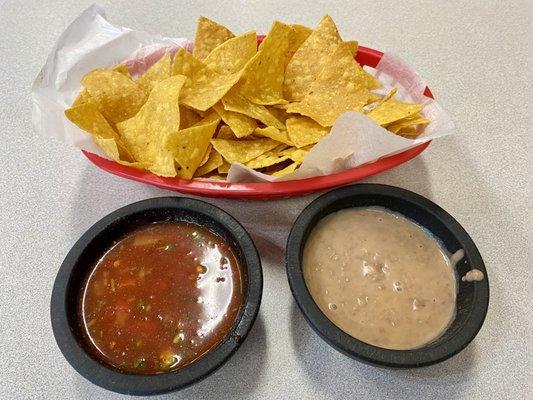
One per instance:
[(161, 297)]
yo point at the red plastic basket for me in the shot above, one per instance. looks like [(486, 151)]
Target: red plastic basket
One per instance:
[(267, 190)]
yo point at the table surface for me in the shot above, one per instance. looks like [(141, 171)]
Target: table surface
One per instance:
[(476, 56)]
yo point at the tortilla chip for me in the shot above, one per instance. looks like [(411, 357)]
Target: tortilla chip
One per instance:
[(204, 87), (232, 55), (274, 133), (206, 155), (209, 35), (298, 35), (310, 58), (242, 151), (110, 147), (234, 101), (339, 87), (353, 45), (213, 162), (296, 154), (262, 81), (412, 121), (118, 97), (145, 133), (225, 132), (303, 131), (85, 97), (241, 125), (267, 159), (188, 147), (87, 117), (287, 170), (393, 110), (409, 132), (224, 168), (188, 117), (156, 73)]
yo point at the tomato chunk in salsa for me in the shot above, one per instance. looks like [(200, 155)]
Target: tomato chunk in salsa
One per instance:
[(161, 297)]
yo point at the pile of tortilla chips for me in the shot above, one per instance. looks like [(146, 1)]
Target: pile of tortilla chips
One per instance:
[(231, 101)]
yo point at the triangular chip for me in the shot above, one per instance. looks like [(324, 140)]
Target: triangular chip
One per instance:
[(206, 155), (189, 146), (274, 133), (296, 154), (262, 81), (310, 58), (287, 170), (87, 117), (267, 159), (242, 151), (339, 87), (85, 97), (393, 110), (204, 87), (234, 101), (225, 132), (242, 125), (156, 73), (111, 149), (188, 117), (209, 35), (303, 131), (224, 168), (412, 121), (118, 97), (298, 35), (232, 55), (145, 133), (353, 46), (213, 162)]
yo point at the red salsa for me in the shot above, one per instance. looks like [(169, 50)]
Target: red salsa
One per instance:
[(161, 297)]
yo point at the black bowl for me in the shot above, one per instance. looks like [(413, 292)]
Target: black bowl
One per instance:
[(472, 297), (91, 246)]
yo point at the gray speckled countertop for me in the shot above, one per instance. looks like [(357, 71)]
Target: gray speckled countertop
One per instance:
[(476, 56)]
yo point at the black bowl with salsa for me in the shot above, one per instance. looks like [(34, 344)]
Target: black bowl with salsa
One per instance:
[(156, 295)]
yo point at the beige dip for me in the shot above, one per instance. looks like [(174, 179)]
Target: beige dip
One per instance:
[(380, 278)]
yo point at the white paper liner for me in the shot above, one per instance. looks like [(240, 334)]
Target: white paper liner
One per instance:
[(92, 42)]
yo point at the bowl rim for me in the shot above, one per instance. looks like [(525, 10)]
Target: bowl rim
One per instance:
[(106, 376), (351, 346)]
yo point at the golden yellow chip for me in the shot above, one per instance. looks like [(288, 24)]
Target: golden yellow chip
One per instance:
[(204, 87), (352, 45), (287, 170), (225, 132), (188, 117), (111, 149), (274, 133), (209, 35), (123, 69), (296, 154), (262, 81), (232, 55), (303, 131), (224, 168), (145, 133), (213, 162), (279, 113), (412, 121), (373, 98), (241, 125), (85, 97), (117, 96), (189, 146), (267, 159), (298, 35), (242, 151), (234, 101), (87, 117), (156, 73), (310, 58), (339, 87), (409, 132), (393, 110), (206, 155)]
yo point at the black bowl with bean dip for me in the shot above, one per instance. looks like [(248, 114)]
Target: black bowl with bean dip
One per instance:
[(387, 277), (156, 296)]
